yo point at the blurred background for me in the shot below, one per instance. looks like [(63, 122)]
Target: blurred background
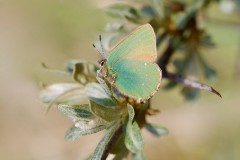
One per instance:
[(35, 31)]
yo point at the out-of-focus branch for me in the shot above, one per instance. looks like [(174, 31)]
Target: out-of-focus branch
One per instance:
[(165, 58), (189, 82)]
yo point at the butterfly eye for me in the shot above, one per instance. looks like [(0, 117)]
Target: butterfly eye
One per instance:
[(101, 62)]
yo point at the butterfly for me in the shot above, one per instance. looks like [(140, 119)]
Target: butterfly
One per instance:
[(130, 67)]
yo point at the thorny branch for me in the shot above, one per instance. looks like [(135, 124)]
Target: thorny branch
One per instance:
[(189, 82)]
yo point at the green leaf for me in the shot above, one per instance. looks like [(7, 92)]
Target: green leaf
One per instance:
[(131, 112), (105, 86), (49, 93), (53, 70), (209, 72), (170, 85), (118, 147), (84, 72), (181, 20), (158, 8), (107, 102), (160, 37), (138, 156), (180, 65), (190, 93), (121, 154), (76, 112), (114, 38), (97, 94), (148, 10), (95, 90), (69, 93), (105, 112), (133, 138), (123, 11), (118, 143), (103, 144), (74, 132), (69, 65), (156, 130), (114, 26), (206, 40)]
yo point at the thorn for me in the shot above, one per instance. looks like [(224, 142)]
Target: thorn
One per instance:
[(94, 45), (216, 92)]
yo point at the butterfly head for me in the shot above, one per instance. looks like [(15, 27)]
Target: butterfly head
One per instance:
[(102, 63), (103, 68)]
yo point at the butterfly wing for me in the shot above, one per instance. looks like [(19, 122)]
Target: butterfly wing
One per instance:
[(137, 79), (138, 45)]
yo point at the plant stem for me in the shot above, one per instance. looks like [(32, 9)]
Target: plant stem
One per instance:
[(115, 136), (165, 58)]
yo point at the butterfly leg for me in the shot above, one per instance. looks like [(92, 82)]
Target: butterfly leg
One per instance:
[(98, 73), (112, 76)]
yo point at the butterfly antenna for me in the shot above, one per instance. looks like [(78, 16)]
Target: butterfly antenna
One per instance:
[(103, 51), (96, 49)]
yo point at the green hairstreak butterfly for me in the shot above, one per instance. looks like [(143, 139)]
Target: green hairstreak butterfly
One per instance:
[(130, 67)]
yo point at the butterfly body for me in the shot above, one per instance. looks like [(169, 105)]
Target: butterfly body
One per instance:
[(130, 66), (106, 72)]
